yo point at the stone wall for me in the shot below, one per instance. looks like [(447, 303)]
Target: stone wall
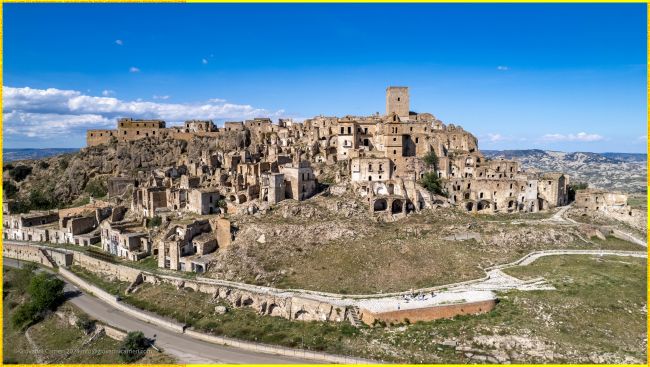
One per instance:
[(107, 269), (429, 313)]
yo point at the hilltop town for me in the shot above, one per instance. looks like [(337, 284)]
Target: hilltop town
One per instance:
[(332, 219)]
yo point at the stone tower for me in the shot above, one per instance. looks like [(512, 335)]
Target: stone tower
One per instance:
[(397, 101)]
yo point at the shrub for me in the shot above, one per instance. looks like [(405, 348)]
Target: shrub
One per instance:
[(20, 172), (63, 164), (96, 188), (431, 159), (46, 291), (154, 222), (26, 315), (85, 323), (432, 183), (10, 190), (43, 165), (134, 346), (38, 200)]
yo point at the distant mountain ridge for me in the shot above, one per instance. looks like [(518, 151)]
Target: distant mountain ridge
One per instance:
[(10, 155), (625, 172)]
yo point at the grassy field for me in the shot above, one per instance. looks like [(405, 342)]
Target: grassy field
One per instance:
[(638, 201), (596, 315), (14, 343), (394, 259)]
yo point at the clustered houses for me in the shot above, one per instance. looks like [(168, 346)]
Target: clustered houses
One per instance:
[(379, 157), (76, 226)]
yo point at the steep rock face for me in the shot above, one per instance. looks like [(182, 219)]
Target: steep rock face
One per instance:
[(62, 179)]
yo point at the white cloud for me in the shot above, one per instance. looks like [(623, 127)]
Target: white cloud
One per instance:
[(107, 92), (503, 68), (119, 42), (643, 138), (160, 97), (133, 69), (55, 112), (51, 125), (582, 137), (204, 61), (495, 137), (216, 100)]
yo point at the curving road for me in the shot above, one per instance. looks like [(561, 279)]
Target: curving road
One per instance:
[(185, 349)]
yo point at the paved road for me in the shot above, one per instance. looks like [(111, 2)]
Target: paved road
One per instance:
[(184, 348)]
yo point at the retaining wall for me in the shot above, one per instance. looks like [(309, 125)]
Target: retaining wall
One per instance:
[(428, 313)]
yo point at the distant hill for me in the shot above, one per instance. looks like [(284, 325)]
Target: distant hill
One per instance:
[(612, 171), (10, 155)]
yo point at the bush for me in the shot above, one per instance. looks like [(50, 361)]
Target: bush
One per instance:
[(134, 346), (63, 164), (46, 291), (10, 190), (432, 183), (26, 315), (43, 165), (21, 172), (96, 188), (154, 222), (39, 201), (85, 323), (431, 159)]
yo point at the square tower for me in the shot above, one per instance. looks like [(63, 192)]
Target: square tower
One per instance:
[(397, 100)]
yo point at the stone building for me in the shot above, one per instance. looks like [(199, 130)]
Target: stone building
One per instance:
[(603, 201)]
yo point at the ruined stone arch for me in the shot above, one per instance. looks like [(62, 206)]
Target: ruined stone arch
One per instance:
[(380, 205), (301, 315), (483, 205), (248, 301), (397, 206), (469, 206), (409, 206), (274, 310)]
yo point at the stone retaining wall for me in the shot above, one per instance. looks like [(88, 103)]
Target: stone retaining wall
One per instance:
[(428, 313)]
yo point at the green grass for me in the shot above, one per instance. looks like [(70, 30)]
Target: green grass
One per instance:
[(597, 309), (638, 201), (16, 348), (115, 287)]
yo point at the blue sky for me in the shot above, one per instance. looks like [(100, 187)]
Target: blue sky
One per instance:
[(552, 76)]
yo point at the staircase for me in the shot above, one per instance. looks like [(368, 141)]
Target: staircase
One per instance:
[(49, 258), (354, 316)]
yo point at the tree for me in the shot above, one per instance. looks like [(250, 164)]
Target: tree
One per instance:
[(431, 159), (20, 172), (46, 291), (154, 222), (96, 188), (134, 346), (432, 183), (10, 189), (430, 180)]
